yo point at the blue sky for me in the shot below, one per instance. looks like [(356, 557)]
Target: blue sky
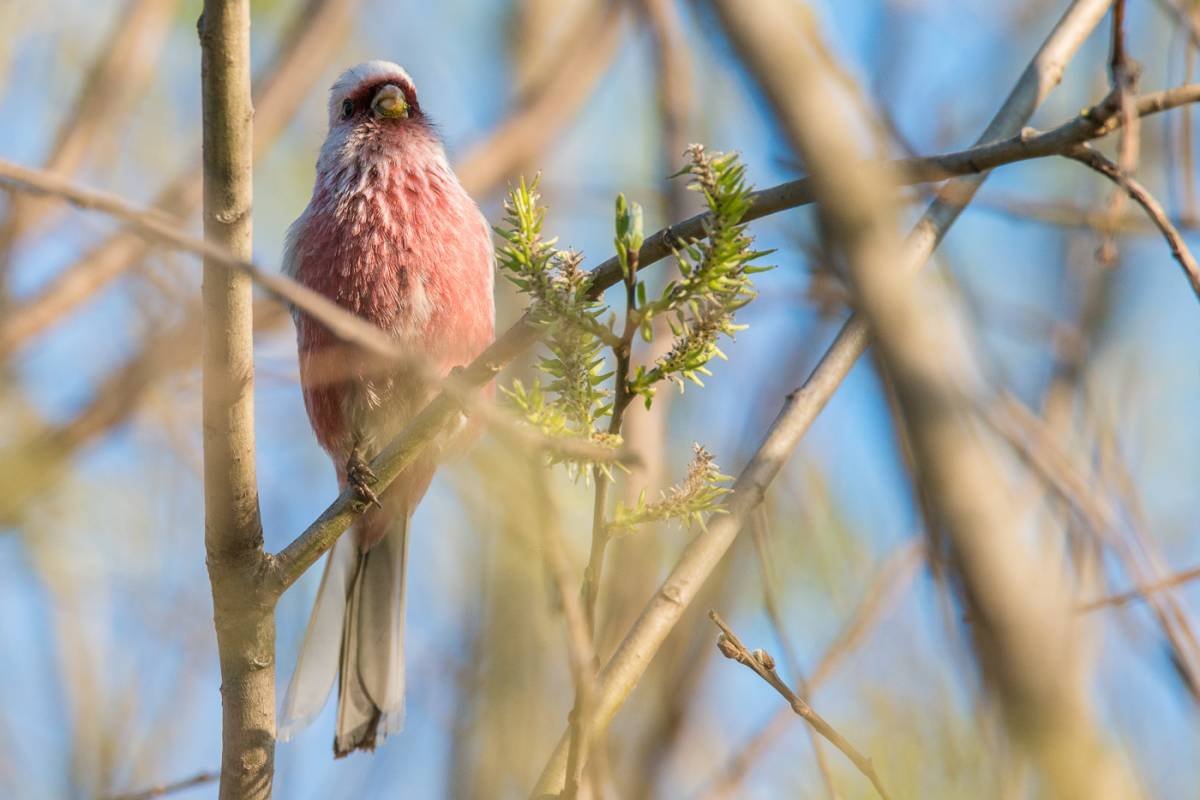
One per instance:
[(125, 529)]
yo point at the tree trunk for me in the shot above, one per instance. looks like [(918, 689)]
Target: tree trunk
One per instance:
[(242, 613)]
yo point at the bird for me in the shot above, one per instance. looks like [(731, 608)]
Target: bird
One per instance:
[(390, 235)]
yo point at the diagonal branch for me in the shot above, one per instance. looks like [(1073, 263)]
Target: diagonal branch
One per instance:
[(763, 665), (1142, 591), (1179, 250), (892, 577)]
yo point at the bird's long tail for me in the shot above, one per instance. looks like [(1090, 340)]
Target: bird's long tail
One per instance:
[(361, 605), (371, 673)]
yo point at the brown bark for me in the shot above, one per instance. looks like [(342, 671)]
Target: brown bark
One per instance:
[(244, 619)]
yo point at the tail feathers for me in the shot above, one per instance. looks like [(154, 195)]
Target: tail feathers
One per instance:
[(317, 665), (371, 669)]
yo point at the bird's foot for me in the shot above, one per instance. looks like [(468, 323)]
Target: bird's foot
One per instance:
[(362, 478)]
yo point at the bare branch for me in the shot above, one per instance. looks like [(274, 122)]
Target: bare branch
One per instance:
[(766, 561), (164, 789), (893, 577), (761, 663), (1143, 591), (581, 655), (1179, 249)]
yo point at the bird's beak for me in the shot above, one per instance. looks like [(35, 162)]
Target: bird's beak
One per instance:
[(389, 102)]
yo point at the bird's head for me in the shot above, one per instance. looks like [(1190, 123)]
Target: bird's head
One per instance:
[(375, 95)]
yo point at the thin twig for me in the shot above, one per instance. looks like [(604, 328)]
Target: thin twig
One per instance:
[(580, 652), (893, 577), (1124, 75), (601, 535), (1143, 591), (164, 789), (1030, 438), (645, 429), (1179, 250), (762, 548), (761, 663)]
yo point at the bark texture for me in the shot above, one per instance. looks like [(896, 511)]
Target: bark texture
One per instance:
[(244, 618)]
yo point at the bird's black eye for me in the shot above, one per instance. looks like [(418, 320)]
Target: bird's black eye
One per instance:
[(347, 109)]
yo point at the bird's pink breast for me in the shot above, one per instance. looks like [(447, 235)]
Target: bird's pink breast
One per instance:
[(399, 243)]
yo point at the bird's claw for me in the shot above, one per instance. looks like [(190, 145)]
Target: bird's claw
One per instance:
[(361, 477)]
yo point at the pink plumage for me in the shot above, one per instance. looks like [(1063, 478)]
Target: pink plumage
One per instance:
[(392, 236)]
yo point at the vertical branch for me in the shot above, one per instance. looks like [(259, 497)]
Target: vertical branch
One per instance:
[(580, 653), (645, 429), (580, 732), (1184, 145), (245, 623), (622, 351), (1123, 75)]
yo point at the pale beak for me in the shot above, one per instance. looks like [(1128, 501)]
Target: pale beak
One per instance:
[(389, 102)]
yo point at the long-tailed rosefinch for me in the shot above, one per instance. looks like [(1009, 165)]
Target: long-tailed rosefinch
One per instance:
[(392, 236)]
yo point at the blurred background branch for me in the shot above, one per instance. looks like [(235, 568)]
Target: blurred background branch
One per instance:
[(1065, 305)]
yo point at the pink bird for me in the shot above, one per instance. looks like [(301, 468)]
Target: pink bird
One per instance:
[(390, 235)]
